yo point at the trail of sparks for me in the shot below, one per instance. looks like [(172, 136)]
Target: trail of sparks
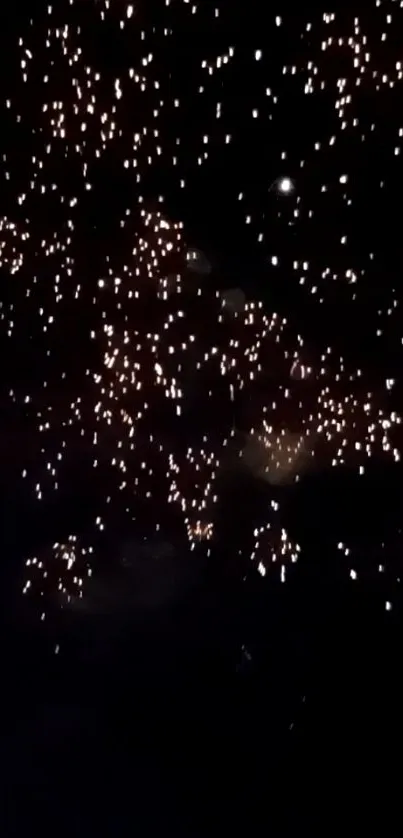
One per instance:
[(156, 371)]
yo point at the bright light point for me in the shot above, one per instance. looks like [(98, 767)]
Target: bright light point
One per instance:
[(285, 185)]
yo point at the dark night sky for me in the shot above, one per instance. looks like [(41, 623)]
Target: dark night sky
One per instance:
[(190, 693)]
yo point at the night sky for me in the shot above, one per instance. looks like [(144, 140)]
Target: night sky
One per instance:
[(200, 415)]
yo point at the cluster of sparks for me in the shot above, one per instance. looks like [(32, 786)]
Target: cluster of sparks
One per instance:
[(62, 571), (157, 371)]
